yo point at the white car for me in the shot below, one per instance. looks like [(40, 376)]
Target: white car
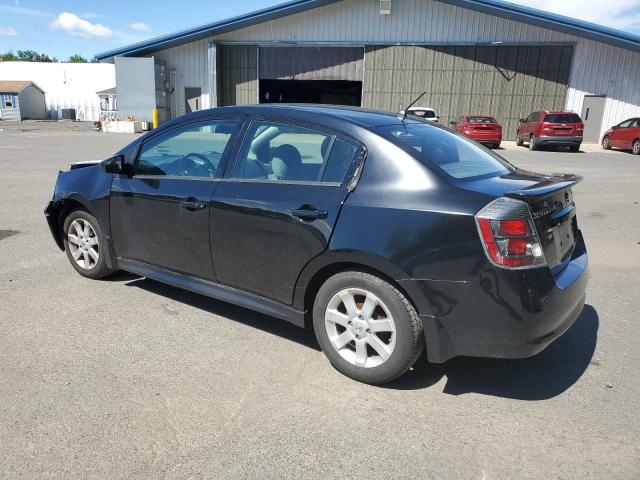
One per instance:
[(423, 112)]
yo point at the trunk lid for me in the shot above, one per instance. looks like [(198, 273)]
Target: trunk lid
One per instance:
[(550, 200)]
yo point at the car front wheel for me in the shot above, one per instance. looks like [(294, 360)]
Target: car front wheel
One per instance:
[(85, 244), (605, 143), (366, 327)]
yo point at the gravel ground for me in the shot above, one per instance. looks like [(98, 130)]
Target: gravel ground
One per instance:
[(128, 378)]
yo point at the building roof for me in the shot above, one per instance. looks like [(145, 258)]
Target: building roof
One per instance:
[(108, 91), (16, 86), (497, 8)]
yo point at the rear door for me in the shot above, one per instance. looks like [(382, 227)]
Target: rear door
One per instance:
[(629, 134), (278, 203), (160, 214)]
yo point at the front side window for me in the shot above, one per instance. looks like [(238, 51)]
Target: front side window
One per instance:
[(625, 124), (282, 152), (192, 150), (446, 150)]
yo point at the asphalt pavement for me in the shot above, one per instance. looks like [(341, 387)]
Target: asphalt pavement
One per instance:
[(129, 378)]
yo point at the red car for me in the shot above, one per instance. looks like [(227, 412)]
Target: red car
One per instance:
[(561, 129), (625, 135), (482, 128)]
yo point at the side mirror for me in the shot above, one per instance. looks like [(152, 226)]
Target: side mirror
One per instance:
[(614, 127), (453, 122), (115, 165), (521, 120)]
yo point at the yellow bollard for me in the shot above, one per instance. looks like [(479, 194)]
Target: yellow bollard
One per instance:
[(155, 118)]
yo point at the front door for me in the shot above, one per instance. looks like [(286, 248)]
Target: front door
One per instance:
[(160, 215), (278, 204), (592, 111)]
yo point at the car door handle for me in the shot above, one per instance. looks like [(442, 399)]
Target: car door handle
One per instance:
[(193, 205), (309, 213)]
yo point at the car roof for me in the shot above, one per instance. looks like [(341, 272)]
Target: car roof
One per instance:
[(421, 108), (359, 116)]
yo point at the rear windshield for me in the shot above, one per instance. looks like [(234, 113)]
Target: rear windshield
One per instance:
[(562, 118), (481, 120), (423, 113), (452, 153)]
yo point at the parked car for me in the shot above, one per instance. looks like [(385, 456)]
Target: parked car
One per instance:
[(625, 135), (482, 128), (383, 234), (559, 129), (423, 112)]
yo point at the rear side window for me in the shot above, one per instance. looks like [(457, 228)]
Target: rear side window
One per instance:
[(441, 148), (482, 120), (562, 118), (342, 154)]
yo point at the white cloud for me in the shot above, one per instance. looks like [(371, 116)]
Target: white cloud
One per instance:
[(8, 32), (140, 27), (616, 14), (74, 25)]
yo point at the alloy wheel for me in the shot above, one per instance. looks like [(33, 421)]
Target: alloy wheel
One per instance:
[(605, 143), (360, 327), (83, 244), (636, 147)]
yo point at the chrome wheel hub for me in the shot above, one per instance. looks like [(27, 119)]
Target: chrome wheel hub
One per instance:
[(360, 327), (83, 244)]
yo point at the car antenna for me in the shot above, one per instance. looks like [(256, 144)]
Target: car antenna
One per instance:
[(403, 113)]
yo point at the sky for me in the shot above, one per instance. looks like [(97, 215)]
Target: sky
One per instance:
[(62, 28)]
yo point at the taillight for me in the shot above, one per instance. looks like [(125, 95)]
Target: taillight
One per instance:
[(508, 235)]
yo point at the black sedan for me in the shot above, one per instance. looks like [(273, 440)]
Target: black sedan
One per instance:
[(382, 233)]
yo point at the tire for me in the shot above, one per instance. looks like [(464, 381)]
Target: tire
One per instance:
[(574, 148), (635, 148), (83, 242), (532, 143), (519, 141), (605, 143), (355, 356), (496, 146)]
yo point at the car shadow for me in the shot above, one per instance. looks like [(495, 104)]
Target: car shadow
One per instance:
[(253, 319), (541, 377)]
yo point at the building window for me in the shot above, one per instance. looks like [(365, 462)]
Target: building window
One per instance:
[(7, 101)]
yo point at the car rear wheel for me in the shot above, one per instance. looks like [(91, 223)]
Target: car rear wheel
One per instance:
[(366, 327), (574, 148), (605, 143), (85, 244), (532, 143), (635, 149), (519, 141)]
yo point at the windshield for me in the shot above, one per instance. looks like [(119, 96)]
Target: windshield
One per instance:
[(482, 120), (421, 112), (452, 153), (562, 118)]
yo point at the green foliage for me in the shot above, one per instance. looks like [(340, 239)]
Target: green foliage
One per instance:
[(26, 56), (77, 59), (8, 57)]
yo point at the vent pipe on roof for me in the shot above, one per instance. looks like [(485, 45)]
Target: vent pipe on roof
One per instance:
[(385, 7)]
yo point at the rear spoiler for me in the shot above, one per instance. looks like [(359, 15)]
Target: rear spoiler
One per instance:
[(556, 181)]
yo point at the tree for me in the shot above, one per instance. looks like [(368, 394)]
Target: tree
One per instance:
[(77, 59), (8, 57), (33, 56)]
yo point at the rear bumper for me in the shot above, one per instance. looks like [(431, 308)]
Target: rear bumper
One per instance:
[(505, 313), (493, 138), (559, 140)]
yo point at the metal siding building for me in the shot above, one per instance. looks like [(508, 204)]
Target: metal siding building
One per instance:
[(471, 56)]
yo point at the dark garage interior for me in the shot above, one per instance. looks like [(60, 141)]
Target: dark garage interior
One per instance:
[(332, 92)]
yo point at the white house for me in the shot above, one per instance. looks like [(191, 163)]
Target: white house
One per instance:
[(65, 85)]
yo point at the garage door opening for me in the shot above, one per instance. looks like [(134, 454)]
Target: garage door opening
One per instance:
[(332, 92)]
